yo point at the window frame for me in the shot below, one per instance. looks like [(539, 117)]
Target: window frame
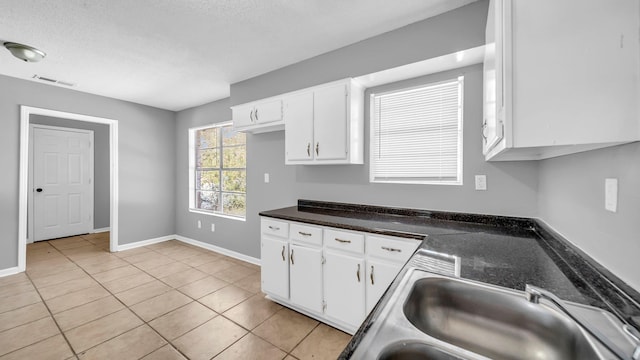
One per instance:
[(193, 169), (460, 143)]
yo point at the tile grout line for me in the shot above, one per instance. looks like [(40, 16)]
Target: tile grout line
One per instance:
[(128, 308)]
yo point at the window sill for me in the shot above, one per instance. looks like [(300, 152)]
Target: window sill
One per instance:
[(204, 212), (403, 182)]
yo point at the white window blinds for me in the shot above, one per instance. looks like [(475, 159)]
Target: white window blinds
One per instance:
[(416, 134)]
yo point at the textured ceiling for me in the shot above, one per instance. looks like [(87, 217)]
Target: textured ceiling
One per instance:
[(176, 54)]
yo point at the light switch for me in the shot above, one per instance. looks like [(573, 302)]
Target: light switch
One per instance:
[(611, 194), (266, 178), (199, 224), (213, 227), (481, 182)]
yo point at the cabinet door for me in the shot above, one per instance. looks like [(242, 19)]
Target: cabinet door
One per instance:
[(344, 290), (330, 122), (306, 277), (275, 267), (269, 111), (380, 274), (242, 116), (494, 104), (298, 125)]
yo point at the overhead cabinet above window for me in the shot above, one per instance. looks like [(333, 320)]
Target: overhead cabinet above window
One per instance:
[(262, 116), (324, 124)]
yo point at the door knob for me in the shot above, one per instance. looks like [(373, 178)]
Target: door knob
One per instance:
[(39, 189)]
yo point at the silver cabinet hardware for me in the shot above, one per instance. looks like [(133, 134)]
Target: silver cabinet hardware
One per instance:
[(304, 233), (274, 228), (291, 257), (283, 253), (256, 114), (317, 148), (358, 273), (251, 115), (308, 149), (342, 241), (484, 126), (391, 249), (371, 275)]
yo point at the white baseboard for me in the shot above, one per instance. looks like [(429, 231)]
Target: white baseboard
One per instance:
[(105, 229), (219, 250), (9, 271), (146, 242)]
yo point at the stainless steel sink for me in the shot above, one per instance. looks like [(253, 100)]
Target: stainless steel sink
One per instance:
[(430, 316), (496, 324)]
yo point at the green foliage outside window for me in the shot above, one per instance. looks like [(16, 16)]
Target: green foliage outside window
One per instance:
[(221, 174)]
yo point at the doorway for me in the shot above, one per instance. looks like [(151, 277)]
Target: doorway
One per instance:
[(27, 155)]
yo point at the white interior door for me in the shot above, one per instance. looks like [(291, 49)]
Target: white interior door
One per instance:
[(62, 182)]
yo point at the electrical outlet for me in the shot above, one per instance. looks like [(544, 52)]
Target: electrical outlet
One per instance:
[(266, 178), (481, 182), (213, 227), (611, 194), (199, 224)]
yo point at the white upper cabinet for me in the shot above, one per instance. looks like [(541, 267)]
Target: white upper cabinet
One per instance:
[(325, 124), (299, 133), (560, 77), (262, 116)]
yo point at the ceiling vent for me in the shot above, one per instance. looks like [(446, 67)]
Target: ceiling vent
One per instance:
[(50, 80)]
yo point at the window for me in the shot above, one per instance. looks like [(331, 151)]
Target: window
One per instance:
[(218, 171), (416, 134)]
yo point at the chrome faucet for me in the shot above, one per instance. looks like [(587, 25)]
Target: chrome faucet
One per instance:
[(534, 294)]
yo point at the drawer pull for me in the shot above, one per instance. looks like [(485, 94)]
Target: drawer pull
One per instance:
[(343, 241), (358, 273), (304, 233), (391, 249), (291, 257), (371, 276), (274, 228), (283, 253)]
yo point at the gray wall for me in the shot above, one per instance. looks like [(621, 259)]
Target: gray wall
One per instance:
[(147, 159), (571, 199), (265, 153), (101, 200), (512, 186)]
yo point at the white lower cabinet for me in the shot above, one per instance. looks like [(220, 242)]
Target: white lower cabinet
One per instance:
[(344, 287), (306, 277), (333, 275), (380, 274), (275, 266)]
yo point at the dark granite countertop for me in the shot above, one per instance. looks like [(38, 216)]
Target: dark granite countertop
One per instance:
[(503, 251)]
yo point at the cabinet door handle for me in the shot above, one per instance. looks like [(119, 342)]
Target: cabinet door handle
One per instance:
[(251, 115), (283, 253), (484, 126), (292, 262), (256, 114), (391, 249), (308, 149), (274, 228), (371, 275), (317, 148), (342, 241), (358, 273), (304, 233)]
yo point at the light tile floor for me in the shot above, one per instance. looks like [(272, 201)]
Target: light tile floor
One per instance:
[(164, 301)]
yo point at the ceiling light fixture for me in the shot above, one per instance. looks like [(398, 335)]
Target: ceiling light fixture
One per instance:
[(25, 52)]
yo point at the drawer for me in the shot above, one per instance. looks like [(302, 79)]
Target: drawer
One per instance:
[(395, 249), (343, 240), (274, 227), (306, 233)]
